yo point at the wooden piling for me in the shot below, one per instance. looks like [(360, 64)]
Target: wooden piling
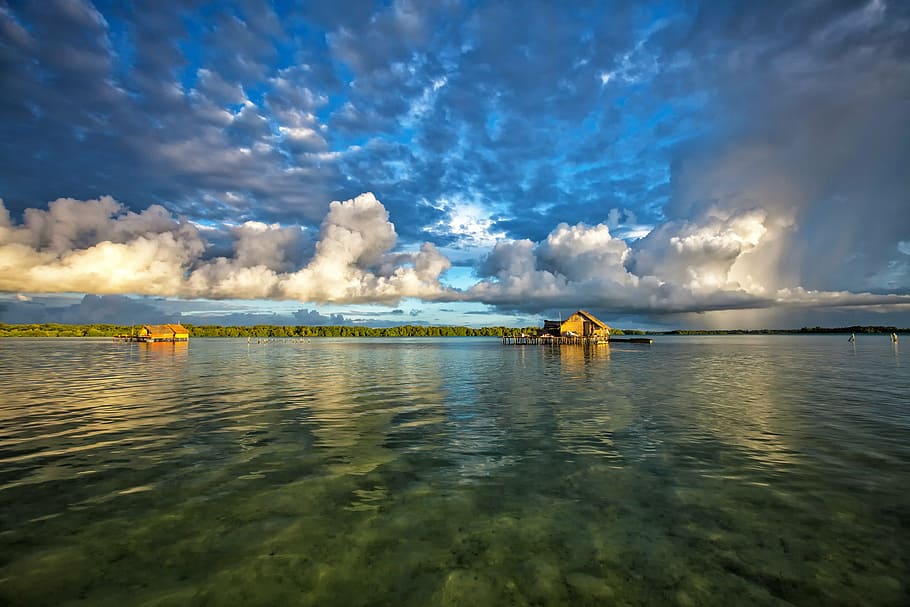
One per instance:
[(552, 340)]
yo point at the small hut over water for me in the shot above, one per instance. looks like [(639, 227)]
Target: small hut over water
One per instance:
[(582, 328), (579, 324), (155, 333)]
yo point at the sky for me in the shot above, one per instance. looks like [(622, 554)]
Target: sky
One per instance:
[(661, 164)]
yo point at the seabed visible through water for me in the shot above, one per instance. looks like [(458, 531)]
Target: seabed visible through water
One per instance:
[(697, 471)]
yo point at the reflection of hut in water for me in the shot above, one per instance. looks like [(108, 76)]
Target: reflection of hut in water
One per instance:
[(580, 324), (580, 361), (158, 333), (580, 328), (165, 352)]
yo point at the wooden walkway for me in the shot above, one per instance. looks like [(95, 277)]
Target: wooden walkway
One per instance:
[(549, 340), (149, 340)]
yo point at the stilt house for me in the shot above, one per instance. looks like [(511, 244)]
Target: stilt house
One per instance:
[(580, 324), (154, 333)]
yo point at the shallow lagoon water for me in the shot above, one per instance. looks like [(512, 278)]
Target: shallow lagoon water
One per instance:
[(697, 471)]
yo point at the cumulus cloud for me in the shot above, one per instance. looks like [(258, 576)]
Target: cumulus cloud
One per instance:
[(581, 252), (354, 241), (260, 253), (825, 152), (701, 255), (681, 266), (573, 264), (712, 262), (273, 246), (99, 247)]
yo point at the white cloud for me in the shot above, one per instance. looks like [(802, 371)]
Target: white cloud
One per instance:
[(302, 139), (712, 264), (469, 221), (700, 256), (580, 263), (583, 252), (422, 105), (94, 246), (218, 90), (97, 247), (147, 265), (354, 240)]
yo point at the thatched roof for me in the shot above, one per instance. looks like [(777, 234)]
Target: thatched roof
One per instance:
[(591, 318), (165, 329)]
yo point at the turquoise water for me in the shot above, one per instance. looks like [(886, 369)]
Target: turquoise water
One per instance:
[(697, 471)]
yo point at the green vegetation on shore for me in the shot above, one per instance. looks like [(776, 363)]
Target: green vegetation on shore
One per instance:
[(104, 330)]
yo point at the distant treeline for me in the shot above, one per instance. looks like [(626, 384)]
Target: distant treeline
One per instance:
[(804, 330), (347, 331), (103, 330)]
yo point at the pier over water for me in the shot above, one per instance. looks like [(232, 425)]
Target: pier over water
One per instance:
[(551, 340), (581, 328)]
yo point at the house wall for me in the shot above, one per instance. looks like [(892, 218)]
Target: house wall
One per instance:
[(602, 332), (168, 334), (179, 332), (576, 324), (552, 327)]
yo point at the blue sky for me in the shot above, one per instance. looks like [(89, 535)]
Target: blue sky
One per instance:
[(713, 164)]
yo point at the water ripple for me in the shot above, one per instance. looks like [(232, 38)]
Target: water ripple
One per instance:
[(702, 470)]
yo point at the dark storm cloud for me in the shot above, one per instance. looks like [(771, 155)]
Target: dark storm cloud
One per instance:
[(313, 317), (91, 309), (122, 310), (818, 134)]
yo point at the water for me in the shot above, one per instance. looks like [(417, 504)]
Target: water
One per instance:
[(696, 471)]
